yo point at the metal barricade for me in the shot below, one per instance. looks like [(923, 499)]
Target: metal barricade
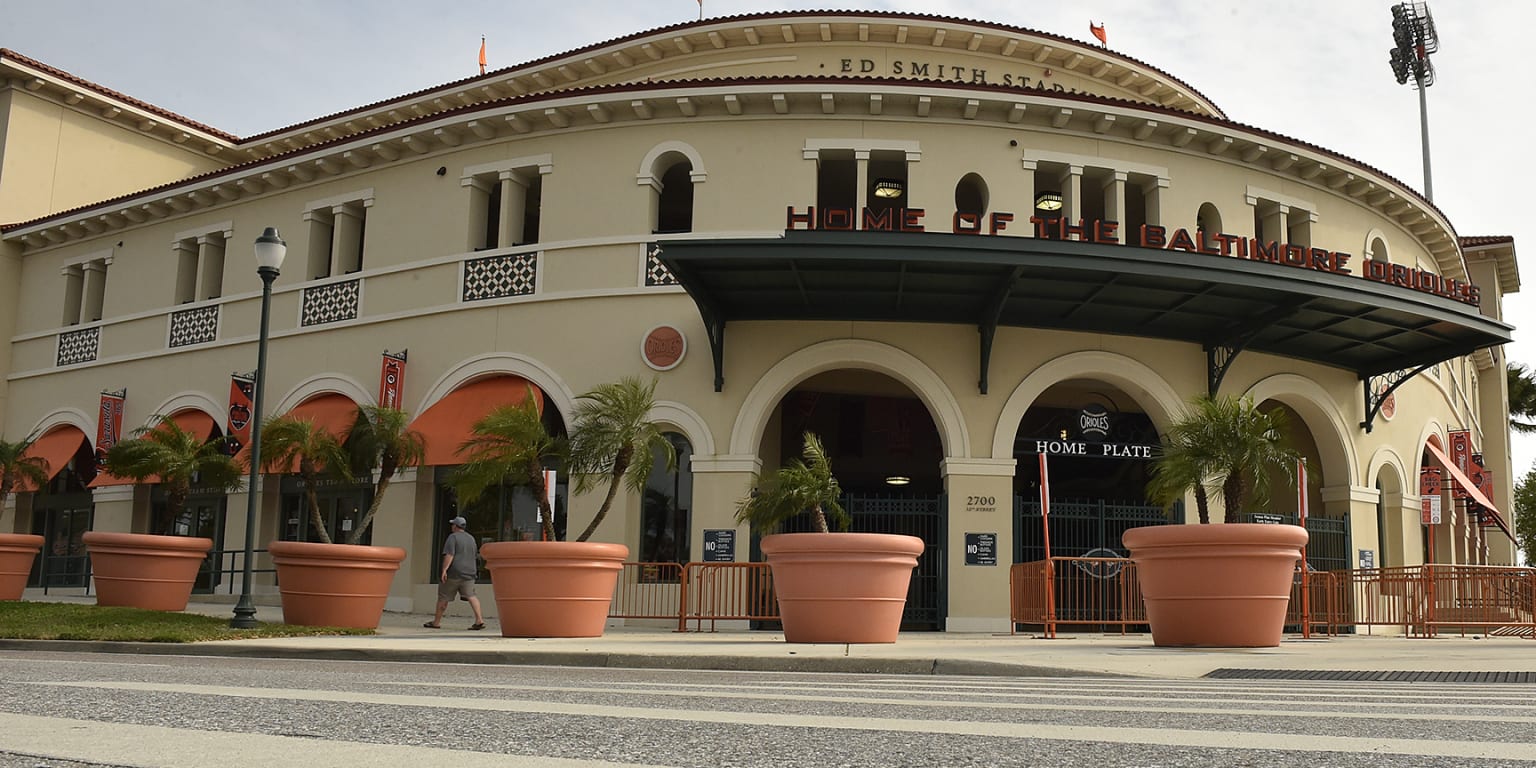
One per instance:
[(726, 592), (1086, 592), (648, 591), (1424, 600), (1322, 605)]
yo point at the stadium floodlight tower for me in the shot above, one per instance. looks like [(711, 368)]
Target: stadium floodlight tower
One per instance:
[(1413, 31)]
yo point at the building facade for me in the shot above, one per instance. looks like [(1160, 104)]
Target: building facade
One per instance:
[(945, 246)]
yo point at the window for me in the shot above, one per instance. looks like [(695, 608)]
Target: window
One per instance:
[(200, 264), (85, 287), (1208, 220), (505, 200), (341, 508), (1281, 219), (674, 202), (337, 234), (503, 513), (1067, 189), (861, 183), (971, 198), (664, 531)]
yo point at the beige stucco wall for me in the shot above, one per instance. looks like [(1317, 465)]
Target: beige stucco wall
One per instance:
[(583, 324), (55, 157)]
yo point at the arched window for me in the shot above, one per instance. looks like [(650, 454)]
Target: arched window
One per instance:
[(664, 523), (971, 197), (674, 204), (1376, 250), (1208, 220)]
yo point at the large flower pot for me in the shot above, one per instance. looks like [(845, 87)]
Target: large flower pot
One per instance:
[(841, 587), (334, 585), (1216, 586), (17, 551), (553, 588), (144, 570)]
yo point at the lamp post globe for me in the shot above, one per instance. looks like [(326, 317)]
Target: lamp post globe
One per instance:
[(270, 250)]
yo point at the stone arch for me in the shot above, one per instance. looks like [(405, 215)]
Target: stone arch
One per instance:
[(648, 174), (1370, 249), (66, 417), (688, 422), (757, 407), (1151, 391), (193, 401), (1328, 427), (317, 385), (554, 388)]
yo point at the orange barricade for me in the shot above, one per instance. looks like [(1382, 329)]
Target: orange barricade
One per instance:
[(1326, 603), (726, 591), (1427, 599), (648, 591), (1089, 591)]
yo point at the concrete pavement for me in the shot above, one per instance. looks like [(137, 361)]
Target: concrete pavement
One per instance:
[(402, 638)]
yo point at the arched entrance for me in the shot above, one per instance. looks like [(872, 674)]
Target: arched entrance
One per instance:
[(1098, 443), (885, 452)]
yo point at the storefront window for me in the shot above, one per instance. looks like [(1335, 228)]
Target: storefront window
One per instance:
[(342, 506), (664, 532), (502, 513)]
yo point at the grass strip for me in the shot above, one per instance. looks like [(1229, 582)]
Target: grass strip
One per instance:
[(20, 620)]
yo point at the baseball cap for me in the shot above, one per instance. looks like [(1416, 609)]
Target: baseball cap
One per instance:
[(459, 521)]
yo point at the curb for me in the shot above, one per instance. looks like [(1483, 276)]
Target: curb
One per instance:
[(911, 666)]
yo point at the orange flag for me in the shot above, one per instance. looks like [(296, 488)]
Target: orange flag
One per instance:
[(482, 54), (1098, 31)]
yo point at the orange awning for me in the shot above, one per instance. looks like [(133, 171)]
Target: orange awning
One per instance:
[(194, 421), (332, 412), (1470, 487), (447, 424), (56, 447)]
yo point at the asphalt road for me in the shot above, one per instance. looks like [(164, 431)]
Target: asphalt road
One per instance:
[(63, 710)]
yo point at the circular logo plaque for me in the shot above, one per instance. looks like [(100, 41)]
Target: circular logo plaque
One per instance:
[(663, 347)]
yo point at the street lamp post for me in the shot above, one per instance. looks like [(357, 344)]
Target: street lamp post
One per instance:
[(270, 250)]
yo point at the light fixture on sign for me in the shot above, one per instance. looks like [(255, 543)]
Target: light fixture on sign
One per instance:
[(897, 480), (889, 188), (1048, 201)]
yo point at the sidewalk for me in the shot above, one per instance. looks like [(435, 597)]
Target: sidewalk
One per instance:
[(402, 638)]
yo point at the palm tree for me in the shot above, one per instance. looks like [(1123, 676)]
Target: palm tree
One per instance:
[(802, 484), (1522, 398), (17, 467), (510, 442), (381, 438), (1226, 443), (614, 437), (173, 457), (287, 439)]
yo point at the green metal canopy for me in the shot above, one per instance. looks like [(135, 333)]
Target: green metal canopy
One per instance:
[(1222, 303)]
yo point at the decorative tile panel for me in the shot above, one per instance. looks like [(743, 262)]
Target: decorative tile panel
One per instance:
[(194, 326), (79, 346), (656, 273), (493, 277), (330, 303)]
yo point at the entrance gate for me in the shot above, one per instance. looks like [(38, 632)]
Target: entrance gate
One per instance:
[(1081, 527), (920, 516)]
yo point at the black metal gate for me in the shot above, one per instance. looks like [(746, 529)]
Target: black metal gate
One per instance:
[(1081, 527), (920, 516), (1327, 539)]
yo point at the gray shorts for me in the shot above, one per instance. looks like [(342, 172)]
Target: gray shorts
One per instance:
[(451, 586)]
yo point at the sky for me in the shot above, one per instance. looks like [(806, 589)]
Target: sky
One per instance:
[(1315, 70)]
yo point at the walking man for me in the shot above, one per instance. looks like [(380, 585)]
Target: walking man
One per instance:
[(458, 576)]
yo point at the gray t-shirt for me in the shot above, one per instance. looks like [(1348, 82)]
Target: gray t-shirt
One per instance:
[(462, 546)]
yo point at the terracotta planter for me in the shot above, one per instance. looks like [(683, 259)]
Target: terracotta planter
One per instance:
[(841, 587), (334, 585), (553, 588), (1216, 586), (143, 570), (17, 551)]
